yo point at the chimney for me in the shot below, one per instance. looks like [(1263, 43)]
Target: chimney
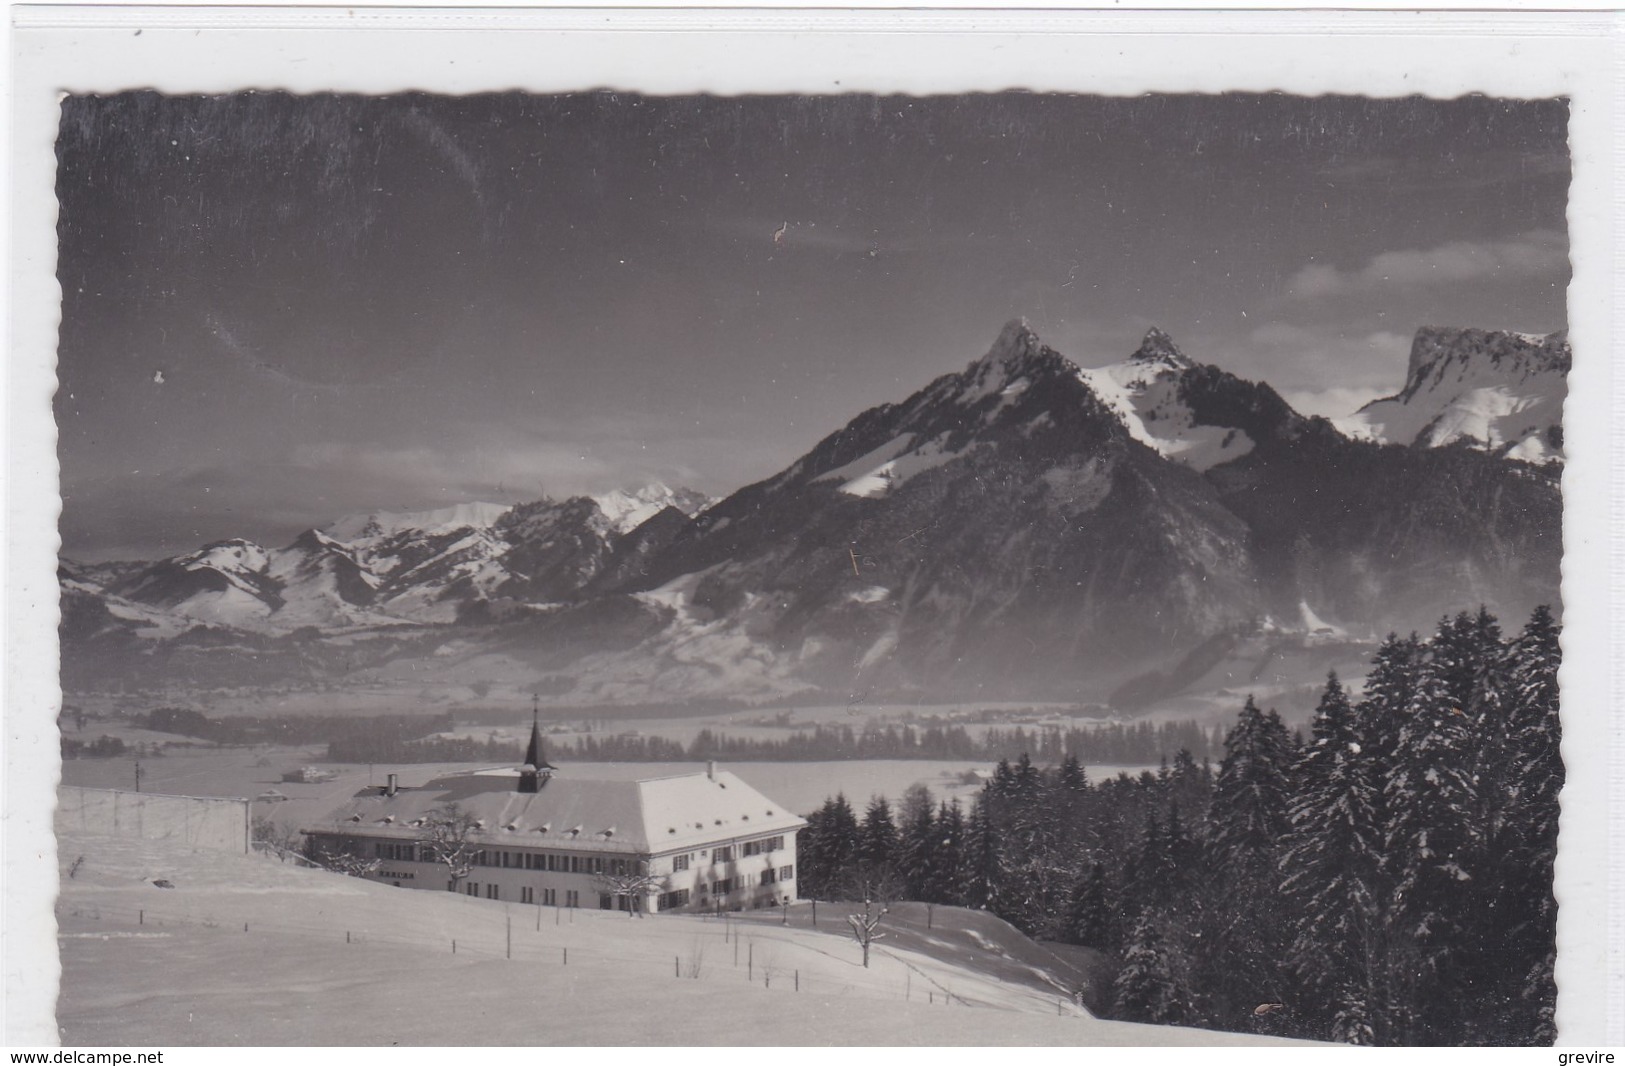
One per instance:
[(711, 769), (389, 789)]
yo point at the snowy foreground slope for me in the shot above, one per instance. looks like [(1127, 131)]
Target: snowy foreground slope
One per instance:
[(291, 977)]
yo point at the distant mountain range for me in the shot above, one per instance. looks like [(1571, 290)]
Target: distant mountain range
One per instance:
[(1024, 528)]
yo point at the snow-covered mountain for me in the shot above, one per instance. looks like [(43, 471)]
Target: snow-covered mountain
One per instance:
[(386, 568), (1017, 529), (1493, 390), (1147, 393)]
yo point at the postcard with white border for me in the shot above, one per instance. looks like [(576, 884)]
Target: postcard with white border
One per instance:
[(941, 528)]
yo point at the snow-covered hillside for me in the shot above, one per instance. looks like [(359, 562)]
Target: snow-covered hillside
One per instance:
[(254, 952), (1493, 390)]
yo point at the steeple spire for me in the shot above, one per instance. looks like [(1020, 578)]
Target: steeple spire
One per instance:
[(536, 768)]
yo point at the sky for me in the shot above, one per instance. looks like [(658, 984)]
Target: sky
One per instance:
[(279, 310)]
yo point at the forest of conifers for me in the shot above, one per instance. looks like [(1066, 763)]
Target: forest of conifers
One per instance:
[(1389, 881)]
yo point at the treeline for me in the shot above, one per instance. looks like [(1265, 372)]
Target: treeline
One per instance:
[(1114, 743), (103, 747), (293, 728), (1388, 881), (409, 745)]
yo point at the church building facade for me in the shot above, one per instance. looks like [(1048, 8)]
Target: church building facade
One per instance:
[(703, 841)]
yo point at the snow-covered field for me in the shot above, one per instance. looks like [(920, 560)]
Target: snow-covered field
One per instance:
[(244, 950)]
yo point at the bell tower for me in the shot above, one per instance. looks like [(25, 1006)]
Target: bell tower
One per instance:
[(534, 774)]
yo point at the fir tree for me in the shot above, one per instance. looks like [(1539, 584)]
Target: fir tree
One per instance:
[(1382, 712), (877, 841), (1073, 778), (831, 847), (1147, 988), (945, 879), (1243, 937), (917, 852), (1333, 852), (1529, 907), (1092, 918), (983, 870), (1431, 838), (1248, 816)]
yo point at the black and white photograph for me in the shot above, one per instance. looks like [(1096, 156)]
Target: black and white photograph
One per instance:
[(1005, 567)]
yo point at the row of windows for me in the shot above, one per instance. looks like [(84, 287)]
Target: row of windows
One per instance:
[(527, 894), (723, 886), (747, 849), (516, 860), (553, 862), (668, 900)]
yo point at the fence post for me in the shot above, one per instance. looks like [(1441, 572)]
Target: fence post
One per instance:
[(454, 947), (798, 980), (347, 939), (676, 966), (142, 918), (566, 956), (510, 936)]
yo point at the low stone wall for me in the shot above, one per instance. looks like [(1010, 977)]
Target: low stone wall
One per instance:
[(203, 822)]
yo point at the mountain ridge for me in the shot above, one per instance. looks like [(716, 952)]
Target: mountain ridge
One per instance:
[(1020, 526)]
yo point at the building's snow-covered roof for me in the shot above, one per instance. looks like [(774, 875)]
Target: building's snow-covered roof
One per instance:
[(653, 815)]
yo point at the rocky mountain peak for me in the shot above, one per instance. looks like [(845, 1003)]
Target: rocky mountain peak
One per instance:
[(1017, 342), (1494, 390), (1437, 351), (1158, 347), (1017, 353)]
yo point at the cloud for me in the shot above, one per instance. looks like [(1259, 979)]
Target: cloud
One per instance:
[(1322, 367), (1335, 402), (1538, 253)]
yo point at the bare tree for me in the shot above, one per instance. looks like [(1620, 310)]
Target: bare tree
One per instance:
[(280, 840), (633, 885), (341, 856), (450, 840), (866, 927)]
